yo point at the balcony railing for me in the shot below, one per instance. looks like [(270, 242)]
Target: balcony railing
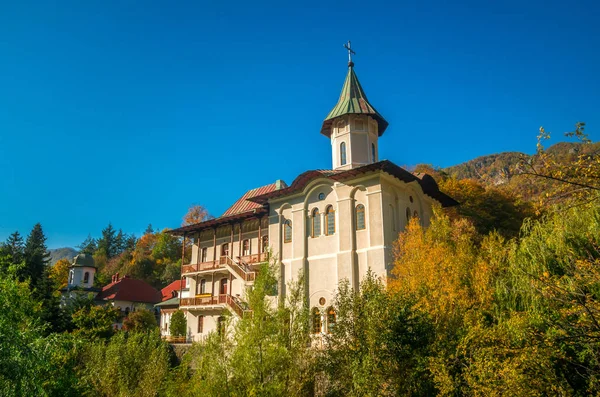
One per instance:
[(199, 267), (222, 300), (249, 260)]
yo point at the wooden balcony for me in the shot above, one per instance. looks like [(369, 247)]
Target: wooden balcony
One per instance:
[(224, 301), (200, 267)]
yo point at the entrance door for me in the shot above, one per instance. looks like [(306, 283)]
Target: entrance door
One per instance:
[(223, 290)]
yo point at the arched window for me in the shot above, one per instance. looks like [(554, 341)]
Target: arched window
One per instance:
[(343, 153), (86, 277), (373, 152), (287, 231), (416, 214), (360, 217), (223, 290), (316, 321), (407, 215), (330, 319), (246, 247), (203, 254), (265, 243), (316, 223), (225, 249), (329, 221)]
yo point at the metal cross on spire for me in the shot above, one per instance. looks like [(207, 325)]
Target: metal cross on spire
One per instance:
[(348, 46)]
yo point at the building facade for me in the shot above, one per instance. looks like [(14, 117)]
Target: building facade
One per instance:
[(329, 225)]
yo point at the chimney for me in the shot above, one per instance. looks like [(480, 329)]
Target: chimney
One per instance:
[(112, 278), (117, 276)]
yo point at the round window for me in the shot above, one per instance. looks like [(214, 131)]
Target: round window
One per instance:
[(321, 196), (322, 301)]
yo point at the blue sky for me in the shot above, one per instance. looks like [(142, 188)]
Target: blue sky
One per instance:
[(128, 112)]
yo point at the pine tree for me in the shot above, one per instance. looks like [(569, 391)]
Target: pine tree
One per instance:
[(149, 229), (88, 246), (36, 256), (15, 247), (107, 242)]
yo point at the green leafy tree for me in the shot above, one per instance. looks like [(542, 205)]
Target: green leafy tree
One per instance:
[(132, 364), (93, 322), (141, 320), (178, 325)]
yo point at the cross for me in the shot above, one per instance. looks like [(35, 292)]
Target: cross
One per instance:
[(350, 51)]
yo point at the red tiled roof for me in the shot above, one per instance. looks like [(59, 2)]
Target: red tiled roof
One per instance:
[(169, 290), (129, 289), (243, 204)]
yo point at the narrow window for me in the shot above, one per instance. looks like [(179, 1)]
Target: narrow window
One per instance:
[(407, 214), (204, 254), (223, 290), (360, 217), (330, 319), (329, 221), (287, 231), (265, 243), (86, 277), (246, 247), (343, 153), (225, 249), (316, 321), (373, 152), (203, 286), (316, 223), (200, 324), (71, 274)]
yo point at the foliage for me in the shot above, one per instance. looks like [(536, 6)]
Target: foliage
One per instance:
[(195, 214), (129, 364), (141, 320), (93, 322), (377, 345), (178, 325), (59, 273)]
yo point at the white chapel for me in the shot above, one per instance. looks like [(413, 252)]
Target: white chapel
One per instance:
[(329, 224)]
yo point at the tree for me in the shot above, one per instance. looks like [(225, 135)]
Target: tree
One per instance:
[(36, 256), (88, 246), (178, 325), (93, 322), (107, 243), (130, 364), (195, 214), (14, 247), (59, 273), (141, 320)]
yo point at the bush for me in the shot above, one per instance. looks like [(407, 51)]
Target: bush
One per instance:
[(178, 326)]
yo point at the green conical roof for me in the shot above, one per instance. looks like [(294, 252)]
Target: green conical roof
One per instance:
[(353, 100)]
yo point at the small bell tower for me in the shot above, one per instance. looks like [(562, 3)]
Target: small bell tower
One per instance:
[(82, 272), (353, 125)]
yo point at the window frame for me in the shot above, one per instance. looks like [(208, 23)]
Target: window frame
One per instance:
[(265, 243), (315, 223), (287, 226), (329, 210), (86, 277), (246, 247), (360, 208), (343, 158), (203, 254)]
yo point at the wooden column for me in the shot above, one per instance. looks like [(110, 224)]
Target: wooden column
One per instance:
[(260, 247), (181, 273), (231, 244), (214, 244), (240, 241)]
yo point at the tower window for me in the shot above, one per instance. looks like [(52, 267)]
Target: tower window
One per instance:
[(407, 214), (316, 223), (360, 217), (86, 277), (373, 152), (343, 153), (287, 231), (329, 221)]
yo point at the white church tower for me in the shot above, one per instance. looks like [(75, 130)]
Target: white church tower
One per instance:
[(354, 126), (82, 272)]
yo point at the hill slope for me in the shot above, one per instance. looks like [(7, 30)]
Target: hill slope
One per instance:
[(61, 253)]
